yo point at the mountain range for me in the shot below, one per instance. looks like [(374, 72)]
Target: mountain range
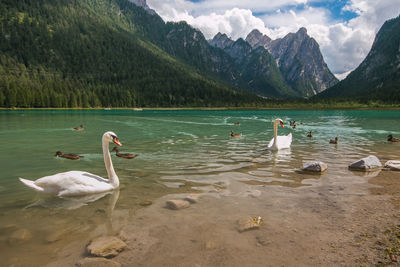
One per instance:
[(297, 67), (120, 53)]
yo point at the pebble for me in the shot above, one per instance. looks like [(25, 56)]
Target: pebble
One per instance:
[(106, 246), (19, 236), (247, 224), (146, 203), (58, 235), (177, 204)]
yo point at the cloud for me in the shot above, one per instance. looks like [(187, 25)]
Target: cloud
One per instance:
[(344, 44), (205, 7)]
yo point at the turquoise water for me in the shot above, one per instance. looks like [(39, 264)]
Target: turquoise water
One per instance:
[(173, 142), (179, 151)]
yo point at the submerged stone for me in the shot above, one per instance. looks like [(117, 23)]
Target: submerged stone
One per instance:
[(146, 203), (315, 166), (366, 164), (393, 165), (106, 246), (177, 204), (193, 198), (19, 236)]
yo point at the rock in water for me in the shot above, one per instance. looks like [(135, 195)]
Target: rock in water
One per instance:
[(97, 262), (366, 164), (20, 236), (146, 203), (106, 246), (192, 198), (177, 204), (393, 165), (315, 166)]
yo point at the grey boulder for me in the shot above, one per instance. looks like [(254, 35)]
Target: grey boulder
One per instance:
[(393, 165), (315, 166), (366, 164)]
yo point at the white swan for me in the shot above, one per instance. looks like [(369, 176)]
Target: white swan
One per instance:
[(280, 142), (74, 183)]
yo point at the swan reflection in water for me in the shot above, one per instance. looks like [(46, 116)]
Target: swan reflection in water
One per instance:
[(75, 202), (279, 156), (70, 204)]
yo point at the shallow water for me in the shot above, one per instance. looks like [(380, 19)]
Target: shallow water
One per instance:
[(179, 152)]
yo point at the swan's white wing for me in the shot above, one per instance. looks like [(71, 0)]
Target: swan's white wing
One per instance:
[(73, 183), (271, 143), (284, 141)]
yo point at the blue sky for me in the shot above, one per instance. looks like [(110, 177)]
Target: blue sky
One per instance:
[(344, 29)]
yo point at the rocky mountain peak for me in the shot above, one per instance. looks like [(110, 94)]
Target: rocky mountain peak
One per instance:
[(302, 31), (297, 55), (221, 40), (143, 4), (255, 38)]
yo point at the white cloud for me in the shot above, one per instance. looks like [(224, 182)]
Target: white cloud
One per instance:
[(344, 44)]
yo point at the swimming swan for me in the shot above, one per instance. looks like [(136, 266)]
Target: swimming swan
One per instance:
[(74, 183), (280, 142)]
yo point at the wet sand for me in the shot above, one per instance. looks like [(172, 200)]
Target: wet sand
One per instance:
[(337, 221)]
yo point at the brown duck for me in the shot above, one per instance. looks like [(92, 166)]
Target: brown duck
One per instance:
[(67, 156), (79, 128), (333, 141), (393, 139), (235, 135), (123, 155)]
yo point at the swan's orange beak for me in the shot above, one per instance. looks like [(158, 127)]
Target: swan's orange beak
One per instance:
[(282, 124), (115, 140)]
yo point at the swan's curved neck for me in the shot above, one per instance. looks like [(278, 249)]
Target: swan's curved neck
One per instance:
[(112, 176), (276, 133)]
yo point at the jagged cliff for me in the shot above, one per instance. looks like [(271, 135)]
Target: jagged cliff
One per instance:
[(300, 61)]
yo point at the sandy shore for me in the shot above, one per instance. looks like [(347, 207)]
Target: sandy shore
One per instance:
[(334, 221)]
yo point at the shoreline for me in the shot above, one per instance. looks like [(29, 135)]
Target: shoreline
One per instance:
[(388, 108)]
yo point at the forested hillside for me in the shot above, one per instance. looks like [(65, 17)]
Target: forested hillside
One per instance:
[(91, 53), (378, 76)]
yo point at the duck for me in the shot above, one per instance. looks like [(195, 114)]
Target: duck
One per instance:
[(79, 128), (235, 135), (76, 183), (390, 138), (333, 141), (309, 134), (123, 155), (280, 142), (67, 156)]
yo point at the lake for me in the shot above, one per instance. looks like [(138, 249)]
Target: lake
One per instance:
[(179, 152)]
